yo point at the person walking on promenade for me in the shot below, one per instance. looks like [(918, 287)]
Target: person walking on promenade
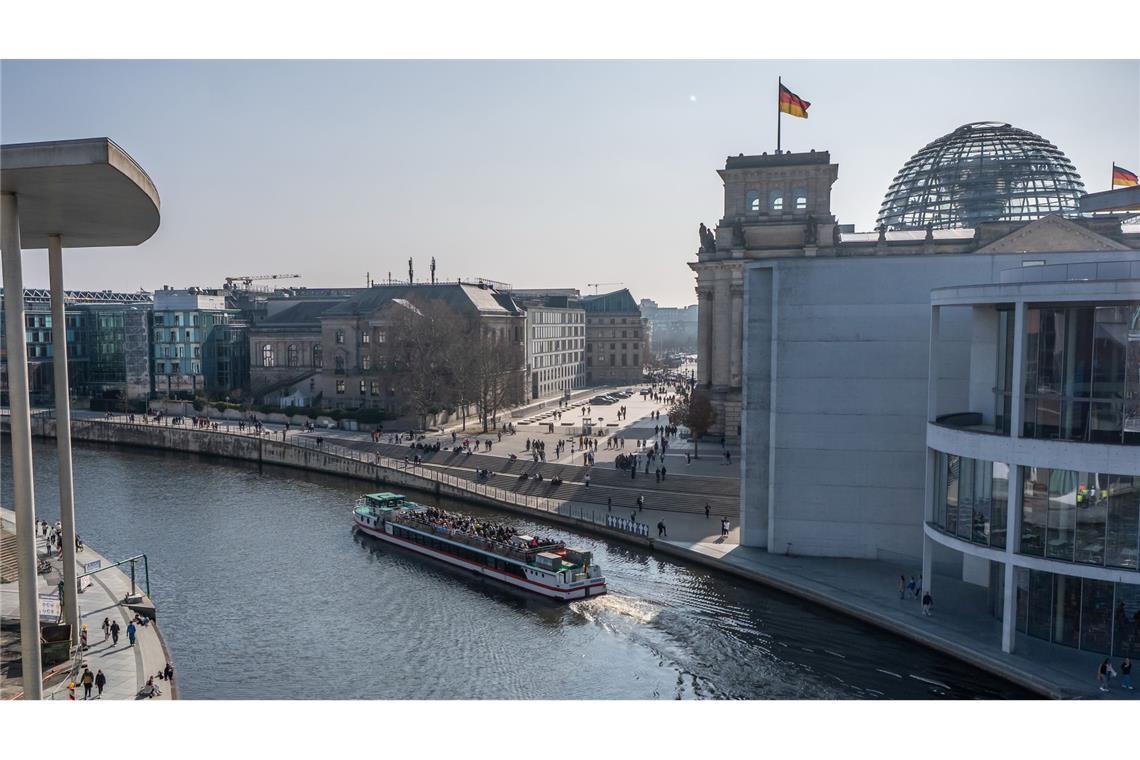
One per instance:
[(168, 672), (661, 529), (100, 682), (662, 470), (657, 474), (609, 504), (587, 480), (927, 604), (902, 587), (115, 633), (88, 680), (707, 510), (640, 502), (1103, 673), (106, 628), (724, 525), (131, 631), (1126, 673), (912, 588)]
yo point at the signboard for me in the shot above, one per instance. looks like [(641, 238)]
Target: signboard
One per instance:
[(49, 607), (84, 583), (92, 566)]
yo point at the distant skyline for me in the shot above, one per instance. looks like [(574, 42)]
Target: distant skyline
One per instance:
[(540, 174)]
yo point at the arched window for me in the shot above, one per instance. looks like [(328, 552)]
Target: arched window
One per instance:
[(318, 358), (752, 201), (293, 356), (800, 196), (776, 200), (267, 355)]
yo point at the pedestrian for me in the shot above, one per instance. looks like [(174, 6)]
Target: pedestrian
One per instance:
[(1126, 673), (1103, 673), (609, 504), (100, 682), (83, 638), (168, 672), (662, 472), (688, 458), (106, 628), (88, 680), (114, 633), (706, 510), (912, 588), (902, 586), (587, 480), (927, 604), (724, 527), (657, 474), (640, 502), (131, 631)]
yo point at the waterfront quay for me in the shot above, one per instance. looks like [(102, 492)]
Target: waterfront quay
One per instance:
[(864, 589), (125, 667)]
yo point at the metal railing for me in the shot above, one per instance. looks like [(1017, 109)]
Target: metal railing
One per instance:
[(410, 467)]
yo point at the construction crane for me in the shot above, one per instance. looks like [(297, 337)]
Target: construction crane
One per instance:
[(246, 279), (595, 285)]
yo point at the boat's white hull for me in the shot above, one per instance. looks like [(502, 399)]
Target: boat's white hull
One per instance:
[(595, 588)]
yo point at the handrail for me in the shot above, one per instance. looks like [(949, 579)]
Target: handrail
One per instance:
[(146, 570)]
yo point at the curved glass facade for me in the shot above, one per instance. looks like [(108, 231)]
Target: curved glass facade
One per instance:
[(1084, 517), (971, 497), (1082, 373), (1096, 616)]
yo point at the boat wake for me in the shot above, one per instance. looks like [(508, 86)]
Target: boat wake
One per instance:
[(638, 610)]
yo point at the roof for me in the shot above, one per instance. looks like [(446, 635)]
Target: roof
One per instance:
[(89, 192), (460, 296), (303, 313), (777, 159), (617, 302)]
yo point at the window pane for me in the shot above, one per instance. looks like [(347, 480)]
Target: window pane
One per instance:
[(1123, 517), (1092, 510), (953, 471), (940, 465), (1126, 620), (1062, 514), (1034, 511), (1096, 616), (999, 511), (1040, 604), (1066, 610)]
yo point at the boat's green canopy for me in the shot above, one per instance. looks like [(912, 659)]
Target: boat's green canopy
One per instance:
[(385, 498)]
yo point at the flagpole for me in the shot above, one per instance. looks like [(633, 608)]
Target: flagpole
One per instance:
[(779, 85)]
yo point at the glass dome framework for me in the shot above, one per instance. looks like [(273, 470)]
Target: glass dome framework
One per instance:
[(981, 172)]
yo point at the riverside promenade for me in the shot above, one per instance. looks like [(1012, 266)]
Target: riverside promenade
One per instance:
[(864, 589), (125, 667)]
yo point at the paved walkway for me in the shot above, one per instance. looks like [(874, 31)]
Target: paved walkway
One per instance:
[(125, 667)]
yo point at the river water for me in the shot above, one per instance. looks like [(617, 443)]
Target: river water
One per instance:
[(265, 591)]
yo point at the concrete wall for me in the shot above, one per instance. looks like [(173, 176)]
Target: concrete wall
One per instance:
[(848, 397)]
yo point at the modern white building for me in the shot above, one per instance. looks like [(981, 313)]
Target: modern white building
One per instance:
[(1033, 448), (555, 341)]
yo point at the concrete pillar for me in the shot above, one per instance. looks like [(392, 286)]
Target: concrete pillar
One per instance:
[(1012, 537), (63, 434), (1018, 400), (932, 366), (736, 347), (927, 564), (22, 491)]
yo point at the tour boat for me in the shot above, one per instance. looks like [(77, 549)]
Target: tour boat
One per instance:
[(545, 567)]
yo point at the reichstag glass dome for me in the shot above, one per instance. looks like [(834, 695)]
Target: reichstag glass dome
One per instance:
[(981, 172)]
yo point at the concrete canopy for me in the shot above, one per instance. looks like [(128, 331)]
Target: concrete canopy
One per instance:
[(90, 192)]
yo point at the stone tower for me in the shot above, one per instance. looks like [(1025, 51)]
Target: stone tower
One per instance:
[(774, 205)]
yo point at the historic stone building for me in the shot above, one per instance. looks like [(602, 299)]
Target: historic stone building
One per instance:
[(286, 352), (616, 339)]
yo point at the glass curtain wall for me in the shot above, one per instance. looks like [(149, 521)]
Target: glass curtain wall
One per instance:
[(1082, 378), (1086, 614), (1084, 517), (971, 498)]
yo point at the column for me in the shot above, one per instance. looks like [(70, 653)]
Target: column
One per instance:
[(932, 366), (1012, 537), (722, 358), (63, 434), (1017, 403), (736, 347), (22, 493), (927, 564), (704, 334)]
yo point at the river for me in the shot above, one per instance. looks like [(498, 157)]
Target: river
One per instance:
[(265, 591)]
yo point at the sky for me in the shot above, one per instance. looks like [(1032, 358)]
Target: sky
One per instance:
[(534, 173)]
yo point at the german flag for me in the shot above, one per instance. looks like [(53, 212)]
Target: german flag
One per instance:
[(791, 103), (1121, 177)]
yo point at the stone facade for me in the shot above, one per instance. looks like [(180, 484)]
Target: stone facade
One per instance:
[(616, 339)]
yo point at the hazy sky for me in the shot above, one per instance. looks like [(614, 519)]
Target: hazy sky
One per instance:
[(541, 174)]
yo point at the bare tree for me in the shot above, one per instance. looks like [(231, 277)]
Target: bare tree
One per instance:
[(417, 354), (694, 411), (494, 362)]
